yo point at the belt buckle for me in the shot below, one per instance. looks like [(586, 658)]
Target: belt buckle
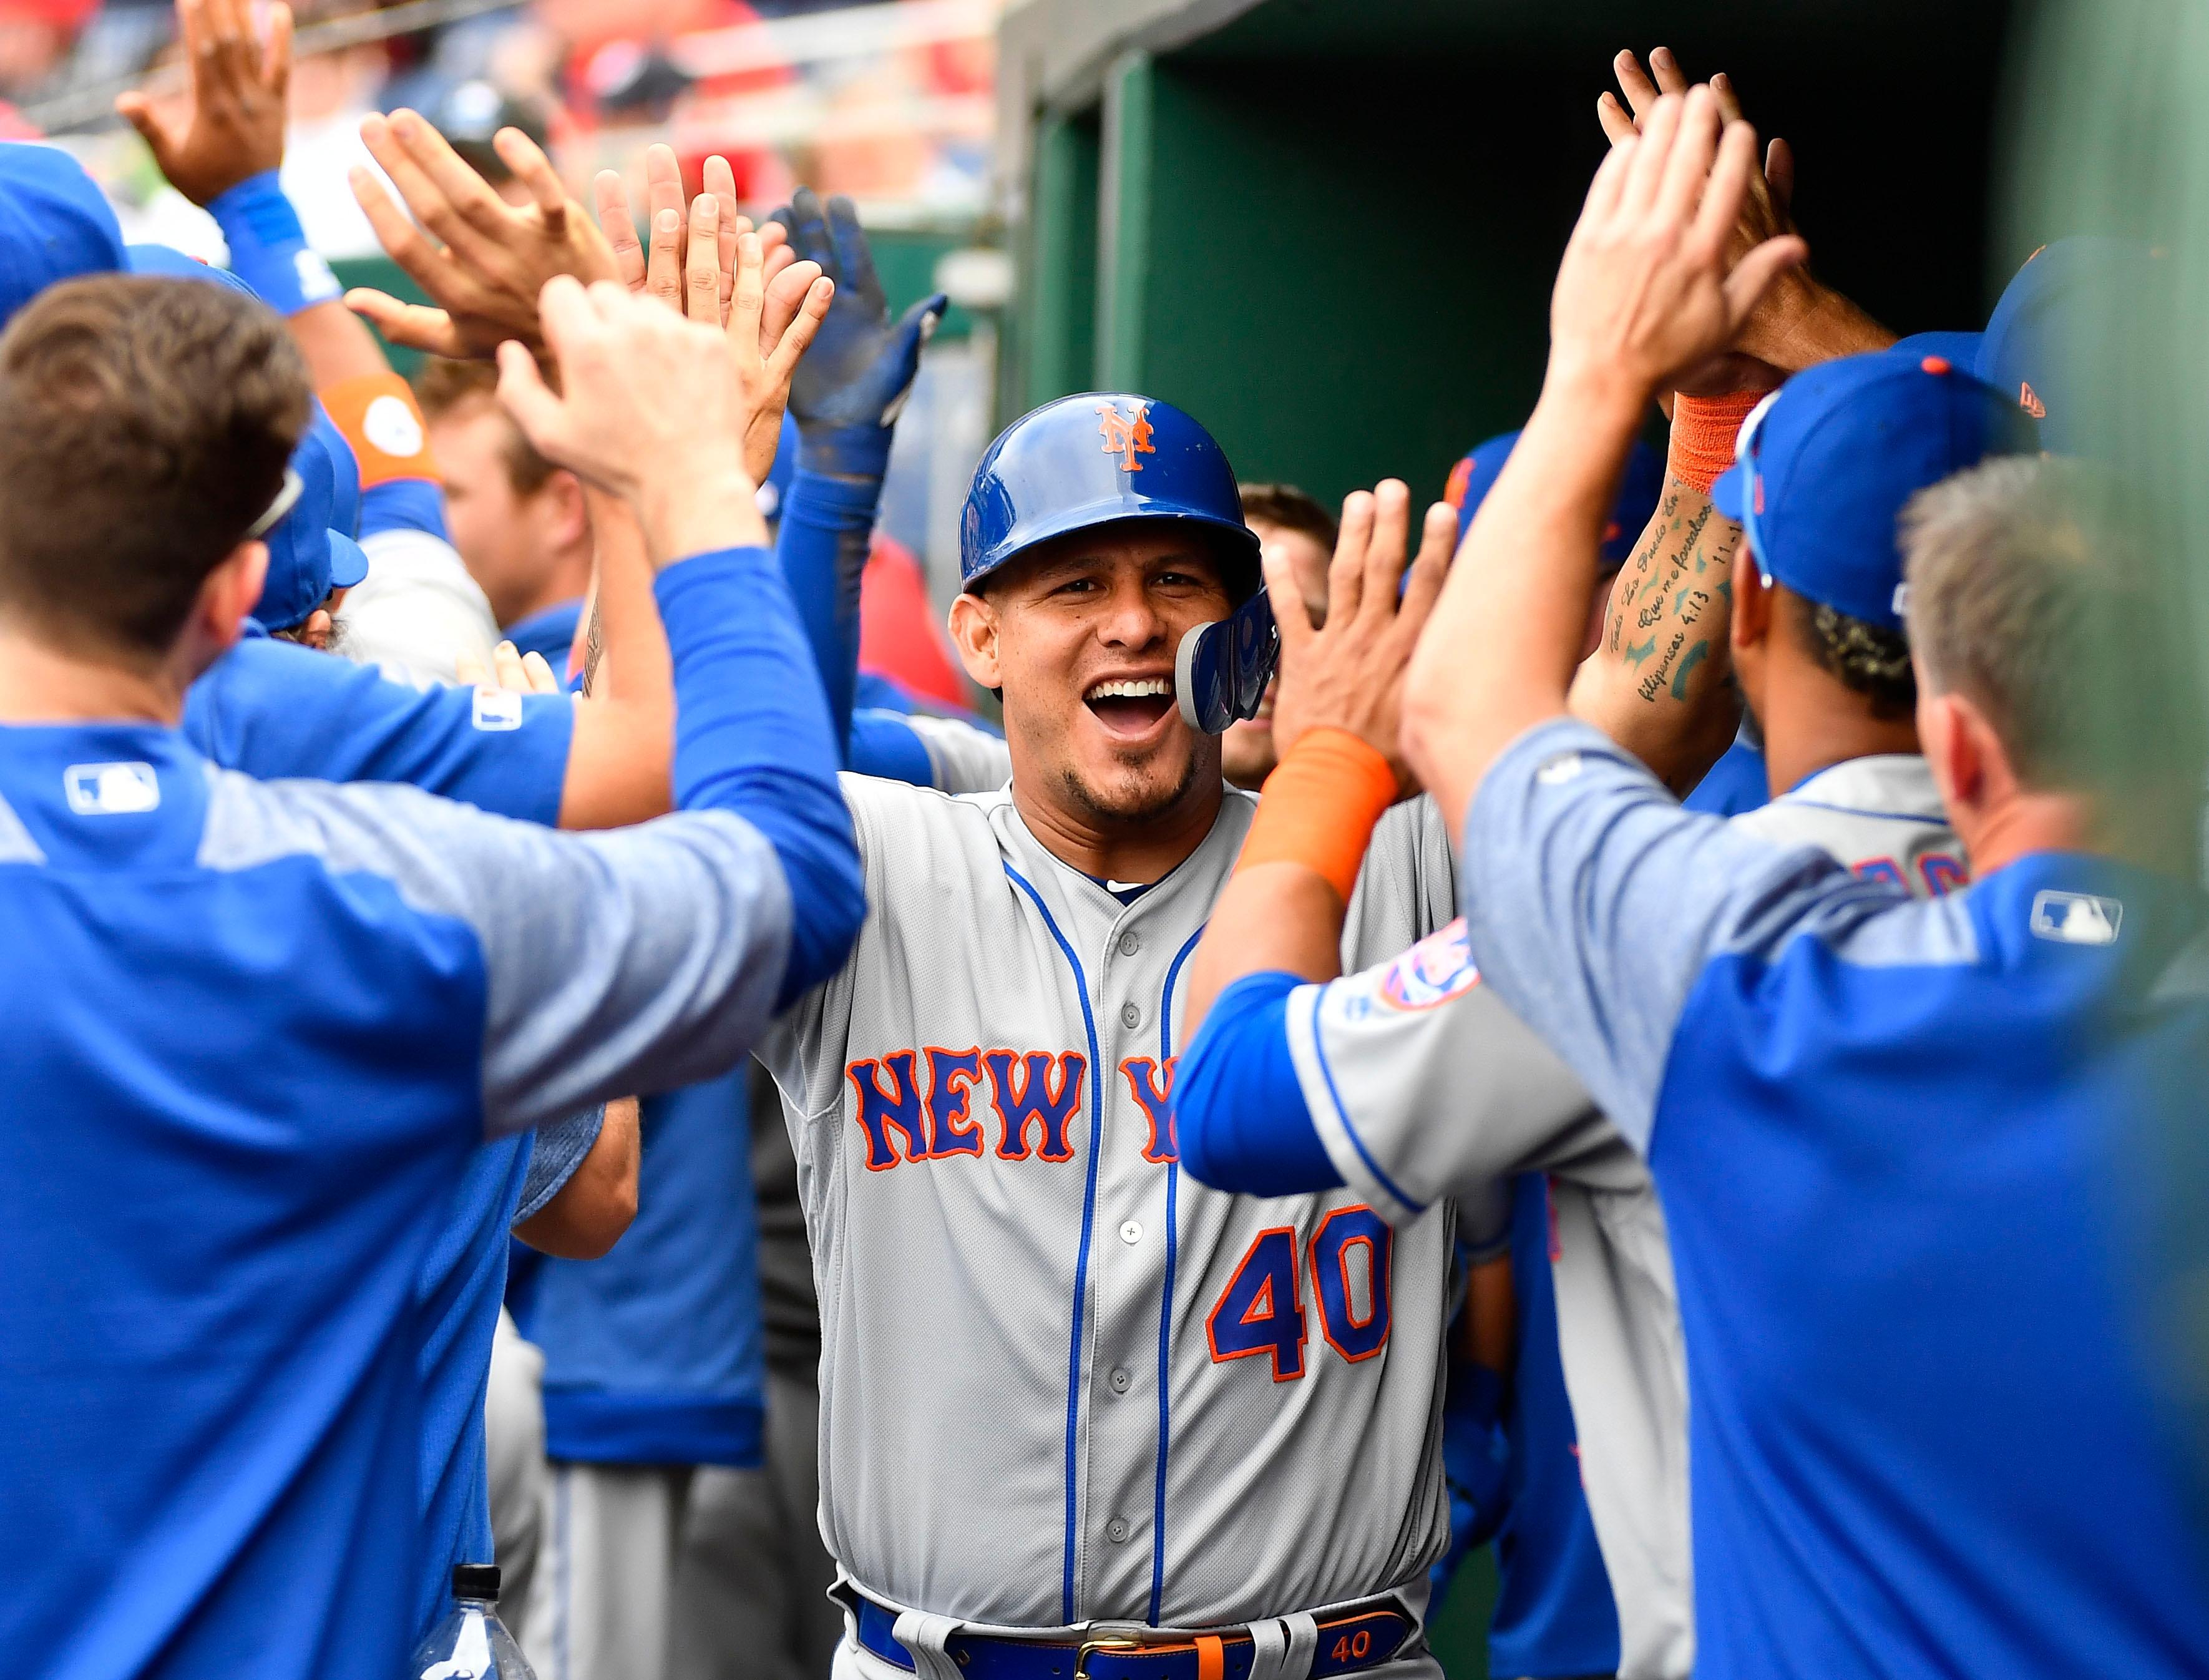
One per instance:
[(1117, 1644)]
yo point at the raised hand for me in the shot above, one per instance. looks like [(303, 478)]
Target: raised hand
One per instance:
[(863, 366), (1798, 321), (484, 262), (1349, 674), (766, 355), (659, 269), (1647, 287), (235, 129)]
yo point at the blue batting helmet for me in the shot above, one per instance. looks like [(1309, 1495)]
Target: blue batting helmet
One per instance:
[(1102, 458)]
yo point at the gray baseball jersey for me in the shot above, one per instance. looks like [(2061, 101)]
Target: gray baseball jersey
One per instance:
[(1422, 1084), (1061, 1383)]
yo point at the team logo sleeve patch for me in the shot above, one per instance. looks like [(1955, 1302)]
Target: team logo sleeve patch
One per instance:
[(1434, 970)]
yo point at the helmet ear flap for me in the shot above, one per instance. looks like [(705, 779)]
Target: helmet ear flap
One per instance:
[(1221, 669)]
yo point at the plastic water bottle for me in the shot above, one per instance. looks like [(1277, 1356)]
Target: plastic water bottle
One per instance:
[(471, 1643)]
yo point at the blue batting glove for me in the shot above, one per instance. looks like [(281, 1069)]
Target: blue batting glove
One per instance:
[(855, 377)]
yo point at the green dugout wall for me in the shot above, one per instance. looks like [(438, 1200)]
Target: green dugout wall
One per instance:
[(1329, 229)]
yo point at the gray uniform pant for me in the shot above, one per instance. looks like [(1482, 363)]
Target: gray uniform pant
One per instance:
[(676, 1572), (514, 1433)]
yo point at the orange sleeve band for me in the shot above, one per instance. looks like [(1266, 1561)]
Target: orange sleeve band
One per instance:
[(1319, 806), (1703, 433), (381, 420)]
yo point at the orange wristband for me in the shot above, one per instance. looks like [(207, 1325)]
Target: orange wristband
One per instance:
[(381, 420), (1319, 806), (1703, 433)]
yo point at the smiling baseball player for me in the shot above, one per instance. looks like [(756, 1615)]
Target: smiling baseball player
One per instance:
[(1065, 1391)]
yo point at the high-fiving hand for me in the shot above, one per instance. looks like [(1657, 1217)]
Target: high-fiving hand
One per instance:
[(653, 407), (1349, 674), (1650, 284), (235, 130), (692, 263), (483, 261)]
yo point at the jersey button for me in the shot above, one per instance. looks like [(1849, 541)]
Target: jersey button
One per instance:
[(1116, 1530), (1130, 1015), (1121, 1379), (1132, 1233), (1130, 943)]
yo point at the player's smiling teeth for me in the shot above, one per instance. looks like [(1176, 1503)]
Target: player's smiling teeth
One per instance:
[(1144, 687)]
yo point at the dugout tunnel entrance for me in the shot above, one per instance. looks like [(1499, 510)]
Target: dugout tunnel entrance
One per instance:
[(1329, 230)]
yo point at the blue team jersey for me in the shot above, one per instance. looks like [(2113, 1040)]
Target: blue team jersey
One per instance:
[(654, 1353), (273, 708), (1902, 1149), (1555, 1614), (551, 633), (255, 1031)]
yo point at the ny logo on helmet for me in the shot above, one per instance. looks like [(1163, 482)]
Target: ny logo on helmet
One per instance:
[(1124, 437)]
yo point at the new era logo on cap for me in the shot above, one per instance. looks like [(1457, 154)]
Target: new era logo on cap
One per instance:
[(2076, 918), (112, 790)]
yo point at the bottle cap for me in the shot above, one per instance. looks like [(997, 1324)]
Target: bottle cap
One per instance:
[(475, 1580)]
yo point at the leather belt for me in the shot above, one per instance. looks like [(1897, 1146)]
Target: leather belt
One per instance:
[(1356, 1637)]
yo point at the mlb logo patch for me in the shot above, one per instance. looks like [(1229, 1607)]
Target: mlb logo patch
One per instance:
[(112, 790), (2076, 918), (496, 709)]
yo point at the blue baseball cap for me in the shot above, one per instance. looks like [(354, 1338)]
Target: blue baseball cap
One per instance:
[(1825, 463), (1473, 477), (55, 224), (2033, 352), (168, 262), (1961, 348), (307, 558)]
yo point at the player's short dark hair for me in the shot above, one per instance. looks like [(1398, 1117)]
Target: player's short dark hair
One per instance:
[(1287, 506), (145, 425), (1869, 658), (442, 385)]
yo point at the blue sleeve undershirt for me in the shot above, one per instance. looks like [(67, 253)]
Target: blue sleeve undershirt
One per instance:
[(752, 737), (884, 744), (1240, 1120), (822, 545)]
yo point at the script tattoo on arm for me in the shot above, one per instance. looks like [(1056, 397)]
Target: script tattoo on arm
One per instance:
[(1669, 610), (594, 644), (1659, 680)]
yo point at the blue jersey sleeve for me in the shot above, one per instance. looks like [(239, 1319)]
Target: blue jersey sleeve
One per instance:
[(404, 504), (827, 523), (751, 735), (884, 744), (1240, 1121), (644, 957), (274, 710), (557, 1151), (1595, 901)]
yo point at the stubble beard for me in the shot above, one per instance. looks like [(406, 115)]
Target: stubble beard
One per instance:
[(1138, 805)]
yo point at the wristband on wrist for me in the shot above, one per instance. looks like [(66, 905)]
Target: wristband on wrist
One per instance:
[(268, 249), (1703, 433), (845, 451), (1319, 807), (381, 420)]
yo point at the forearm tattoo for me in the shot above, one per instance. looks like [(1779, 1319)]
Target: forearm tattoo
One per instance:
[(594, 645), (1661, 621)]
